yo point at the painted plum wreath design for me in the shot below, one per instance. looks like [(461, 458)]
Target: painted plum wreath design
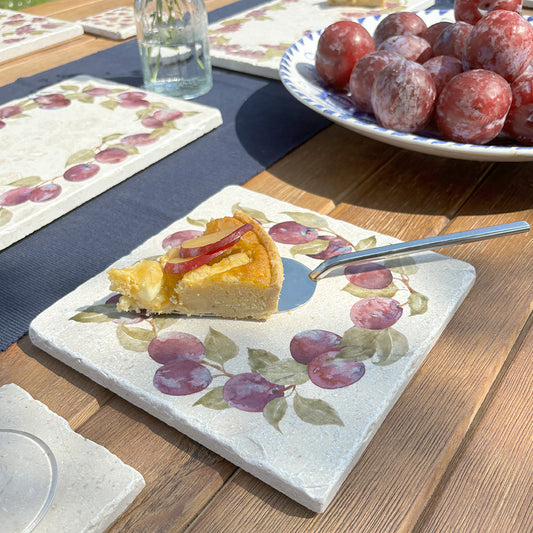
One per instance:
[(155, 118), (316, 357)]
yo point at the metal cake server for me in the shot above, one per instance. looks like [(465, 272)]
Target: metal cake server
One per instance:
[(300, 282)]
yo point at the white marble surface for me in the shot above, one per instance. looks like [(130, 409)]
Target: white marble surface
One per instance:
[(255, 40), (114, 129), (305, 443), (22, 33), (94, 487), (117, 23)]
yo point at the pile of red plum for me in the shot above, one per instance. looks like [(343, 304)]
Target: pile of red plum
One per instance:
[(472, 79)]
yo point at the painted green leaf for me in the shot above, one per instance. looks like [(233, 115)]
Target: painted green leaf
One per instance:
[(272, 53), (188, 114), (5, 216), (219, 348), (19, 115), (260, 359), (418, 303), (274, 411), (315, 411), (143, 113), (109, 104), (253, 213), (366, 244), (134, 338), (81, 156), (69, 88), (361, 292), (81, 97), (391, 347), (30, 105), (162, 322), (213, 400), (358, 344), (285, 372), (90, 317), (111, 137), (97, 314), (197, 222), (29, 181), (402, 265), (308, 248), (159, 132), (88, 87), (234, 21), (308, 219), (276, 7), (158, 105)]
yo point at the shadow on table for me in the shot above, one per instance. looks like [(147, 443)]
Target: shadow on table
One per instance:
[(345, 166), (271, 123)]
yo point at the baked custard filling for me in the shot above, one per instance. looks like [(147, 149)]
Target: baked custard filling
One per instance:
[(243, 281)]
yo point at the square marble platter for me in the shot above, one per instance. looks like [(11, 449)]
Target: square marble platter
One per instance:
[(117, 23), (305, 441), (255, 40), (22, 33), (51, 477), (102, 132)]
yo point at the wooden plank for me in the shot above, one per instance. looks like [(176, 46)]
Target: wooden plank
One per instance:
[(494, 464), (69, 9), (181, 476), (51, 57), (67, 393), (416, 195), (267, 183), (73, 10), (401, 468), (333, 163)]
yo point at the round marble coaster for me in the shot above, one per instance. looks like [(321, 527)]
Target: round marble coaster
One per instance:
[(28, 480)]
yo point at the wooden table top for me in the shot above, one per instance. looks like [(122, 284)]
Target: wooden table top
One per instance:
[(455, 452)]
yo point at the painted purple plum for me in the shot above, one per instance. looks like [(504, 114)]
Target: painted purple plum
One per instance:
[(81, 172), (306, 345), (174, 240), (167, 114), (292, 232), (250, 392), (182, 377), (369, 275), (97, 91), (175, 346), (376, 313), (111, 155), (45, 192), (336, 246), (10, 110), (15, 196), (329, 372), (139, 139), (151, 122)]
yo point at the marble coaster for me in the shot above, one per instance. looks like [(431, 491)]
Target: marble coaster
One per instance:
[(89, 486), (276, 398), (255, 40), (21, 33), (106, 132), (118, 23)]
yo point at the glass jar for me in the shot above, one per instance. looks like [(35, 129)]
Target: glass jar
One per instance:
[(174, 46)]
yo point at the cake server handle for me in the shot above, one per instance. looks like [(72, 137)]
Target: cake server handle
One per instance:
[(420, 245)]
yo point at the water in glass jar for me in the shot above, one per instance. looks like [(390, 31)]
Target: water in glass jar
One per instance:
[(180, 66)]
